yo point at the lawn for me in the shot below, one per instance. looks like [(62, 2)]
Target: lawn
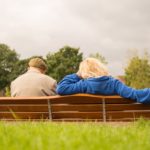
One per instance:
[(74, 136)]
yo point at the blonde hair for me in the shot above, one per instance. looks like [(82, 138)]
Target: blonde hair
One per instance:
[(92, 67)]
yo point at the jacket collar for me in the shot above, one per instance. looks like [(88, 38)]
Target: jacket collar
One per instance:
[(33, 70)]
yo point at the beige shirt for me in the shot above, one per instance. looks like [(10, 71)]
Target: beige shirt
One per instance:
[(33, 83)]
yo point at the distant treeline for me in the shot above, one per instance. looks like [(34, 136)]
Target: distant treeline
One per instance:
[(65, 61)]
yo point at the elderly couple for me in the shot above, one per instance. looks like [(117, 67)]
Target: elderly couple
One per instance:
[(92, 78)]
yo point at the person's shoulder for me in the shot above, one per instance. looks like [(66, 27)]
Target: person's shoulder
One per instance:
[(73, 75), (20, 77), (44, 76), (116, 81), (109, 79)]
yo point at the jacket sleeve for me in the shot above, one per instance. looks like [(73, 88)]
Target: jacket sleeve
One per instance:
[(71, 84), (141, 95), (12, 90)]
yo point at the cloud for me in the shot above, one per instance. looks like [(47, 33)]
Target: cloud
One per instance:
[(108, 27)]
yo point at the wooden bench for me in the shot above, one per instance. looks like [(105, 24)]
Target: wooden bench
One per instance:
[(79, 107)]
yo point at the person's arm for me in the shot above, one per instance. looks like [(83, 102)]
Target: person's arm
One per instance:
[(12, 90), (141, 96), (71, 84), (53, 88)]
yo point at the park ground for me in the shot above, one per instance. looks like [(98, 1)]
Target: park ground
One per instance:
[(74, 136)]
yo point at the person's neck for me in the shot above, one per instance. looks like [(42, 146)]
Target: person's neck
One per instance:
[(34, 69)]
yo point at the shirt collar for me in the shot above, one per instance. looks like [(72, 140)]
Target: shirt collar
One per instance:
[(32, 69)]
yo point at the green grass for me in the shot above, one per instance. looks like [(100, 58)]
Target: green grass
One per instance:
[(74, 136)]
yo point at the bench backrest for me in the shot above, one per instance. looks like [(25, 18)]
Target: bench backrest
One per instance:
[(79, 107)]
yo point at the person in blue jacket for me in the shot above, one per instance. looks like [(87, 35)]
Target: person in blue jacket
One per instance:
[(94, 78)]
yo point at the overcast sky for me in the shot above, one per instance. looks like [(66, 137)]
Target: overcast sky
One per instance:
[(110, 27)]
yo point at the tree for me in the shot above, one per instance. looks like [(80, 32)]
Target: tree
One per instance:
[(99, 57), (137, 73), (8, 60), (63, 62)]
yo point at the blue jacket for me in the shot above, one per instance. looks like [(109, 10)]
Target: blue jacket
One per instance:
[(105, 85)]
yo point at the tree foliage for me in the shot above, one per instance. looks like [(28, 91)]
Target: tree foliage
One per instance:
[(63, 62), (137, 73), (99, 57), (8, 60)]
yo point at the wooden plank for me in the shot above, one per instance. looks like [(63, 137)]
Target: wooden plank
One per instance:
[(76, 100), (55, 120), (118, 100), (23, 115), (77, 120), (50, 97), (124, 119), (35, 102), (25, 120), (30, 98), (90, 99), (119, 107), (78, 115), (24, 108), (76, 107), (127, 114), (54, 100), (66, 107)]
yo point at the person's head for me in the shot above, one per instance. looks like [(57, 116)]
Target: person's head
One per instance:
[(92, 67), (38, 63)]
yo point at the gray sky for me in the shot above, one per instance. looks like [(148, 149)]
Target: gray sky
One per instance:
[(110, 27)]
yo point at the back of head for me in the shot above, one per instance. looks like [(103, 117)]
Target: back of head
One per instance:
[(38, 63), (92, 67)]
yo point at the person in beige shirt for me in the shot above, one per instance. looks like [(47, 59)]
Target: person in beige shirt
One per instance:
[(34, 82)]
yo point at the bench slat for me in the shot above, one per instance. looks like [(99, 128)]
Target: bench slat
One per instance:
[(79, 115), (24, 108), (89, 100), (77, 107), (119, 107), (24, 115), (54, 107), (128, 114), (65, 107), (35, 102), (77, 120)]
